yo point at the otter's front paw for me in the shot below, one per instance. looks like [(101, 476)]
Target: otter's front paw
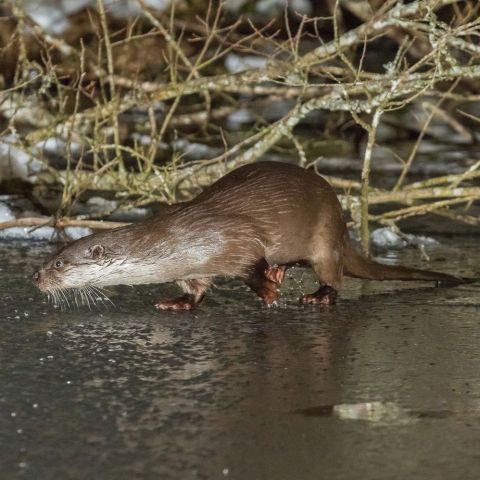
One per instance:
[(181, 303), (276, 274), (323, 296)]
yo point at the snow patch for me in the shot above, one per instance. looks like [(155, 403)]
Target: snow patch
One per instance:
[(195, 151), (52, 15), (57, 146), (272, 6), (388, 239), (28, 233), (14, 162), (102, 206), (6, 214), (236, 63), (74, 233), (240, 117)]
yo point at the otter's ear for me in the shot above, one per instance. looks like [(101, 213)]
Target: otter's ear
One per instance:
[(95, 252)]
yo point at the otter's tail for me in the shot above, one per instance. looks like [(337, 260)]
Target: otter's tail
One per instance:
[(358, 266)]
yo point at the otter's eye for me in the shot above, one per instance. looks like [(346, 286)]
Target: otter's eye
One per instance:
[(58, 263)]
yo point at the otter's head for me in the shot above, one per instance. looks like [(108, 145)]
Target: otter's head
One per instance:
[(83, 264)]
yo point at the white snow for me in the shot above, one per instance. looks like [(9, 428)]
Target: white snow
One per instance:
[(35, 233), (195, 151), (6, 214), (421, 240), (239, 117), (132, 215), (52, 15), (386, 238), (14, 162), (73, 6), (235, 63), (48, 14), (42, 233), (28, 233), (272, 6), (74, 233), (126, 8), (100, 205), (57, 146), (26, 109)]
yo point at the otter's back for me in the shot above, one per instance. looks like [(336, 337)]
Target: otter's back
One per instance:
[(288, 204)]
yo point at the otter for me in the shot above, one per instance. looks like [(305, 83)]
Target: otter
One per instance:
[(253, 224)]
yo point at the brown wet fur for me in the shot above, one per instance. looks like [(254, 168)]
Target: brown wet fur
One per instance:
[(276, 274), (266, 288), (251, 224)]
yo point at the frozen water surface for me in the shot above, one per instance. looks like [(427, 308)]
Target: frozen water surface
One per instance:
[(383, 386)]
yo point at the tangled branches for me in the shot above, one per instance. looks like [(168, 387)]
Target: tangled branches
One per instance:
[(166, 126)]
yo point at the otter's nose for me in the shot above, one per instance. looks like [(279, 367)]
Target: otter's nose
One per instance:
[(36, 276)]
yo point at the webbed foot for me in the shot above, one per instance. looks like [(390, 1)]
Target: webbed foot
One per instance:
[(185, 302), (276, 274), (325, 295)]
